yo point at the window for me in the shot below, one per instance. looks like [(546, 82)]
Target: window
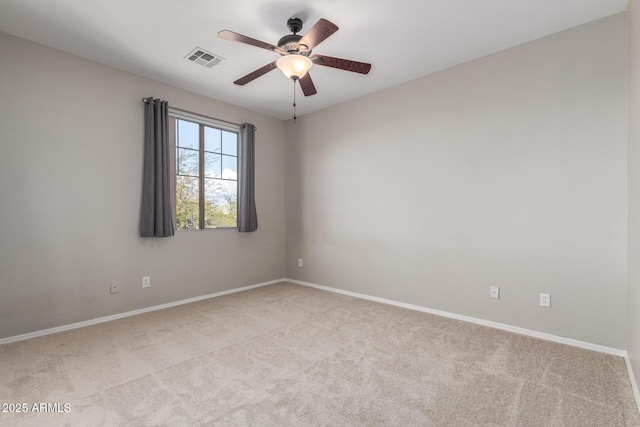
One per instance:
[(206, 174)]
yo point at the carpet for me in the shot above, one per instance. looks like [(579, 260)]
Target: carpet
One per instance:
[(289, 355)]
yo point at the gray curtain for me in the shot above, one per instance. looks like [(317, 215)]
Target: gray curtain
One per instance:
[(157, 213), (247, 216)]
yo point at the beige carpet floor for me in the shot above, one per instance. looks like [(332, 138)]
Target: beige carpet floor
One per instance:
[(288, 355)]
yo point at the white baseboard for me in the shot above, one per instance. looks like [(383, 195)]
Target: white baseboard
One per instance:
[(131, 313), (522, 331), (632, 379), (496, 325)]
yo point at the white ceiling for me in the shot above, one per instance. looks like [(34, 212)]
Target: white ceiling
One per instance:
[(402, 39)]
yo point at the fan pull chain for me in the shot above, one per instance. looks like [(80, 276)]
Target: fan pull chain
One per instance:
[(294, 100)]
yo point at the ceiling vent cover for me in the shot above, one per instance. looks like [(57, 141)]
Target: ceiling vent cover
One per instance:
[(202, 57)]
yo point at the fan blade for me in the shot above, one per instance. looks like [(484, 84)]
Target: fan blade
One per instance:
[(342, 64), (308, 88), (318, 33), (255, 74), (235, 37)]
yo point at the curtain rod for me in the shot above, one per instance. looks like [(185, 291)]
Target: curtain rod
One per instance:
[(147, 100)]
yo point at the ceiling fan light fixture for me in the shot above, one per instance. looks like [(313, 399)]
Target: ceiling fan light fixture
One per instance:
[(294, 66)]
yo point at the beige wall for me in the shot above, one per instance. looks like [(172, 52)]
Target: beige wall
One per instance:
[(70, 179), (509, 170), (633, 75)]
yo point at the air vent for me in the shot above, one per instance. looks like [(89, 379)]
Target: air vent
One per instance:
[(202, 57)]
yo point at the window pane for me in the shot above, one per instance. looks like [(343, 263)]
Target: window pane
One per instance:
[(230, 143), (188, 134), (212, 165), (187, 203), (221, 203), (212, 140), (187, 162), (229, 167), (206, 176)]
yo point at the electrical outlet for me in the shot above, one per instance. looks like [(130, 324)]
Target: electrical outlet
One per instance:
[(545, 300), (114, 288), (494, 292), (146, 282), (300, 263)]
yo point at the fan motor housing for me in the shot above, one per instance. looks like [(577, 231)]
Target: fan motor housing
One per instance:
[(289, 43)]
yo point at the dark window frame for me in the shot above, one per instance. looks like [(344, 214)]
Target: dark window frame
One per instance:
[(202, 178)]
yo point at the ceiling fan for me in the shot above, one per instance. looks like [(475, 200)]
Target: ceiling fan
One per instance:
[(295, 50)]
